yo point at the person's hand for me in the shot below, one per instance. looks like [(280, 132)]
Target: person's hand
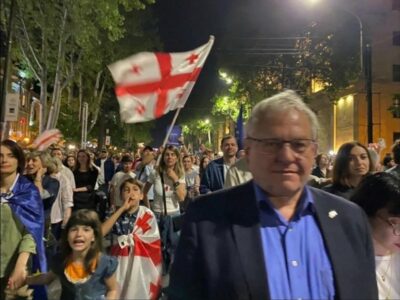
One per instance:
[(171, 174), (17, 278), (41, 172), (128, 204)]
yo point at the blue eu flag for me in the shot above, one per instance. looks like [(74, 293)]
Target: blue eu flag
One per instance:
[(239, 128)]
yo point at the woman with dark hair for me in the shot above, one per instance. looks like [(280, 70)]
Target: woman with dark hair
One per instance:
[(85, 180), (84, 271), (21, 220), (352, 163), (205, 160), (70, 161), (379, 196)]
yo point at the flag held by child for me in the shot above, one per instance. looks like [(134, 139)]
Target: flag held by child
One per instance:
[(149, 85)]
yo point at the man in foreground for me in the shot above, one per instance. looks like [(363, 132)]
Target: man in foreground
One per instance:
[(274, 237)]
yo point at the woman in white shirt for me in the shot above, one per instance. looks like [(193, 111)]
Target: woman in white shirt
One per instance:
[(169, 179), (169, 191), (379, 196)]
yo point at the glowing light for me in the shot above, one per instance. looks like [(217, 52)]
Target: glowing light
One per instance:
[(331, 152)]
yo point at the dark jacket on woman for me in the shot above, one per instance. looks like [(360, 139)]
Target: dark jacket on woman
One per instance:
[(85, 199)]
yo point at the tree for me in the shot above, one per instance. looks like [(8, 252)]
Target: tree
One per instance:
[(53, 37)]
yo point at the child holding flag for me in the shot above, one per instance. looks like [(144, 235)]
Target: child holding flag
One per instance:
[(137, 244)]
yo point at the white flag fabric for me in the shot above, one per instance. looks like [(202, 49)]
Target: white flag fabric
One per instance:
[(139, 258), (149, 85)]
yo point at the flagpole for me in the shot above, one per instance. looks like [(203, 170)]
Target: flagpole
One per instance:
[(168, 133)]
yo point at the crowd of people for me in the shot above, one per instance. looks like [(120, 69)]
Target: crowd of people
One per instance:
[(276, 221)]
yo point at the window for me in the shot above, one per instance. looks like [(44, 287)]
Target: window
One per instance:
[(396, 38), (396, 4), (396, 73)]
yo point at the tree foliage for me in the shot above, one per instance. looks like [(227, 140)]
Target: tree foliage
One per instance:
[(67, 44)]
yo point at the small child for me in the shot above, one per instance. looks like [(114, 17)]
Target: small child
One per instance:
[(84, 272), (136, 244)]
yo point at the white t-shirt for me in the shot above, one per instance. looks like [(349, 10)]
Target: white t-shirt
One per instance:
[(388, 276), (170, 196), (63, 200), (116, 182), (100, 178)]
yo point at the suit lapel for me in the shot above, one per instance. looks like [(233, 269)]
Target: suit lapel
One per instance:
[(246, 233), (333, 234)]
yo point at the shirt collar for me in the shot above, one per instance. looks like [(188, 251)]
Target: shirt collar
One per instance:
[(305, 207)]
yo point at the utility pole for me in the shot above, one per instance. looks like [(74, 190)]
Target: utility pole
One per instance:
[(368, 89)]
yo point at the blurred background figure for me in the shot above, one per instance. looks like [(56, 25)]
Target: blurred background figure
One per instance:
[(205, 160), (321, 174), (118, 178), (388, 162), (379, 196), (396, 157), (237, 174), (39, 168), (70, 161), (107, 170), (192, 179), (352, 163), (85, 180)]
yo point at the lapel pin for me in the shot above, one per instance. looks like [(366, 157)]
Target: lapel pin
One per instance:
[(332, 214)]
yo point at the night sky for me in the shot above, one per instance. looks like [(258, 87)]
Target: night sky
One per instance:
[(236, 24)]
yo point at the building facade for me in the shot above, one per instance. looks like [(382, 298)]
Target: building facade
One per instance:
[(345, 118)]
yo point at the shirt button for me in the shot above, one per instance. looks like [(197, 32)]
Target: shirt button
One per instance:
[(295, 263)]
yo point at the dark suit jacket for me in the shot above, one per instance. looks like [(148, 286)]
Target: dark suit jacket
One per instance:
[(213, 177), (109, 169), (220, 254)]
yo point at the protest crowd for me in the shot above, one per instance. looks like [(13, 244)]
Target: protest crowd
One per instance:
[(283, 221)]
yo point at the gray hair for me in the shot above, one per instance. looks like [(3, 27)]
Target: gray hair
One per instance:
[(284, 101), (47, 161)]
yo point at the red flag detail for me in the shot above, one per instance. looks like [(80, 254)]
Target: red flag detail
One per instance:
[(154, 80), (192, 58), (143, 222), (150, 250)]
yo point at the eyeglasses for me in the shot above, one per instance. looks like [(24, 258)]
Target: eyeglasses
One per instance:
[(272, 146), (392, 222)]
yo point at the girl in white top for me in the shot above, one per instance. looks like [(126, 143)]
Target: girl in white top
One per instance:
[(173, 176), (379, 196)]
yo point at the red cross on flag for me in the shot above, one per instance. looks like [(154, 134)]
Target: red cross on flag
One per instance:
[(149, 85)]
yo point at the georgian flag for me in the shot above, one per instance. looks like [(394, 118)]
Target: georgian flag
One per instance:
[(139, 257), (149, 85)]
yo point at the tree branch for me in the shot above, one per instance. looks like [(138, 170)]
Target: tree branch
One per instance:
[(28, 41)]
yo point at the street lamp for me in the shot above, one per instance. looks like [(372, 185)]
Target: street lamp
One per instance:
[(225, 77)]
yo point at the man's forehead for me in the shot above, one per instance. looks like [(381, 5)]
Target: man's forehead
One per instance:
[(229, 141)]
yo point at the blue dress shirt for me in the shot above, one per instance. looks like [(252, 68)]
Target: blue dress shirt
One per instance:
[(295, 256)]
